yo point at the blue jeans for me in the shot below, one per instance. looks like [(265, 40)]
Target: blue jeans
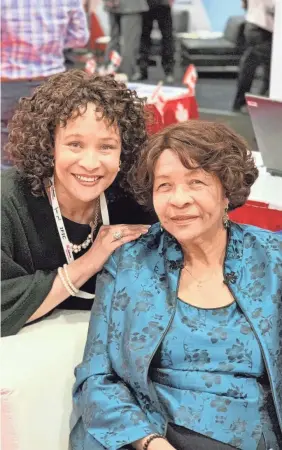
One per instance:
[(11, 92)]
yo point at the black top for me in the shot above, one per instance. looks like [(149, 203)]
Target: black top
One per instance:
[(32, 251)]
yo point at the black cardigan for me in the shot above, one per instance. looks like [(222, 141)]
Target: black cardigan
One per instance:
[(32, 251)]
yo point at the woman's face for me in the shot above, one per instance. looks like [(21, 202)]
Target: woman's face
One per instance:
[(189, 203), (86, 156)]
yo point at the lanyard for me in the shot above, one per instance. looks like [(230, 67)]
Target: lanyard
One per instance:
[(62, 231)]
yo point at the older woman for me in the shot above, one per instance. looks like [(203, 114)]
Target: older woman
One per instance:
[(184, 344), (69, 142)]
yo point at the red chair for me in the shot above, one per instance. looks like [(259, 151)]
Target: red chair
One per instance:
[(258, 214)]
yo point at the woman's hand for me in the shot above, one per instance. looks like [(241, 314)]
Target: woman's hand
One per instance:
[(155, 444), (160, 444), (90, 263), (106, 242)]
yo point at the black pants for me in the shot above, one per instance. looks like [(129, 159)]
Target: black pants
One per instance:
[(183, 439), (162, 14), (257, 52)]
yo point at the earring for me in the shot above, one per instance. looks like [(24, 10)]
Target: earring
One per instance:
[(119, 166), (225, 218)]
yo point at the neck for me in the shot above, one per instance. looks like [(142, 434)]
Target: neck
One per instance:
[(72, 208), (206, 252)]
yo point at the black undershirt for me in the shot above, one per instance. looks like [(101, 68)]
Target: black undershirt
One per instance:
[(77, 233)]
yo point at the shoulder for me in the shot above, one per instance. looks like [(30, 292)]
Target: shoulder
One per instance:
[(18, 203), (146, 247), (259, 235), (258, 242), (13, 208), (12, 187), (149, 242)]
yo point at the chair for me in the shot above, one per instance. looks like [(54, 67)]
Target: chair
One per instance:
[(215, 54)]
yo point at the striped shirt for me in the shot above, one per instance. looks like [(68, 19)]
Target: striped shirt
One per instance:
[(35, 33)]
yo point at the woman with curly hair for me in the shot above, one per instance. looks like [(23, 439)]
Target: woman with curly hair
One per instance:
[(184, 345), (72, 143)]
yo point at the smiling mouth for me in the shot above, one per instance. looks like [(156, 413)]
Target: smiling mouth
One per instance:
[(183, 218), (87, 179)]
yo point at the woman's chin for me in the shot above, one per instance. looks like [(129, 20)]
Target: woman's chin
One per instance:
[(86, 197), (187, 233), (87, 193)]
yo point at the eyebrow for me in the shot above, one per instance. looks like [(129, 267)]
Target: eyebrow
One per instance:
[(162, 176), (109, 139), (191, 173), (79, 136)]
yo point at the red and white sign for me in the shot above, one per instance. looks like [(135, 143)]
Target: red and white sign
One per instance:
[(171, 104), (190, 78), (115, 58), (115, 62), (157, 98), (180, 109), (91, 66)]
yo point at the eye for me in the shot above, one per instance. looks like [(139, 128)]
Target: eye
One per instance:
[(164, 186), (108, 147), (75, 144), (196, 182)]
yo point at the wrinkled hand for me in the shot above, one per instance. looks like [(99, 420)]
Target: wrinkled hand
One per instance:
[(107, 242)]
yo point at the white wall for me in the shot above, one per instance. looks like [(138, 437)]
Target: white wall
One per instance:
[(276, 64)]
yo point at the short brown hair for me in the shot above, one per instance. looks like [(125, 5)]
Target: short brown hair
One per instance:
[(32, 128), (213, 146)]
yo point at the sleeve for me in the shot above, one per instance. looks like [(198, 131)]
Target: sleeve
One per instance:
[(107, 411), (77, 32), (21, 292)]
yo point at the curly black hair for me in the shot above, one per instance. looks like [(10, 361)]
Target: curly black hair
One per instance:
[(213, 146), (31, 130)]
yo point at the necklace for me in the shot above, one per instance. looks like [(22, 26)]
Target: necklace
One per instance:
[(199, 283), (76, 248)]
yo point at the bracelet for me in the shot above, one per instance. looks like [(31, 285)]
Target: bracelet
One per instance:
[(151, 438), (63, 280), (71, 285)]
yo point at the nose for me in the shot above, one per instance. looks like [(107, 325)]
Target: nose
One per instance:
[(180, 197), (90, 160)]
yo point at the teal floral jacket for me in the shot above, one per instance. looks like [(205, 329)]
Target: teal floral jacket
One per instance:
[(115, 401)]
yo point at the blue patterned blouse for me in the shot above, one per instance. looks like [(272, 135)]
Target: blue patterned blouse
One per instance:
[(206, 374)]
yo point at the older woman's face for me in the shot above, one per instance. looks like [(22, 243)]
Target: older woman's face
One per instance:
[(87, 154), (189, 203)]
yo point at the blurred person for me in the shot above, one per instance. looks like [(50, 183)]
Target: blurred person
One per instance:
[(258, 40), (184, 348), (125, 18), (159, 10), (72, 142), (244, 4), (34, 36)]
